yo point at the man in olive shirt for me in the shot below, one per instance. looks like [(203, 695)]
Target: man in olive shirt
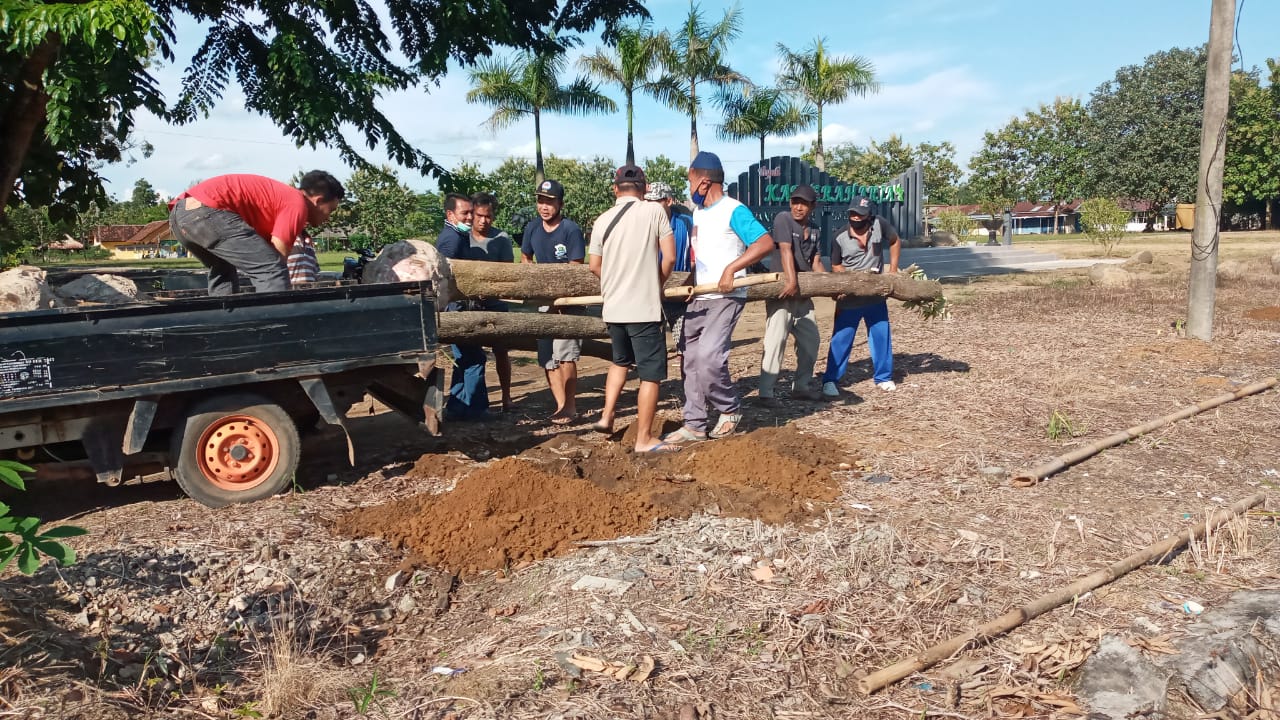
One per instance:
[(797, 242), (626, 242)]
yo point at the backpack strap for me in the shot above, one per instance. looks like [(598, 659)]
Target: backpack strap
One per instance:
[(614, 223)]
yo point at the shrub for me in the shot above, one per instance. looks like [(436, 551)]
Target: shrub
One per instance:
[(1103, 221), (31, 543)]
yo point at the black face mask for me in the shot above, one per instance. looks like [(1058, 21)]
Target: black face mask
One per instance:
[(860, 225)]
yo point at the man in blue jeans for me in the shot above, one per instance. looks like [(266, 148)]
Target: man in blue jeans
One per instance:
[(862, 247)]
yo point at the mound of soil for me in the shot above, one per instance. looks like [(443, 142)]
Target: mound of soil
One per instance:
[(1270, 312), (541, 502)]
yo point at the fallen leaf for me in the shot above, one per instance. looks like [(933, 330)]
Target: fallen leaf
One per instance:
[(763, 574), (503, 611), (587, 662), (817, 607), (645, 669)]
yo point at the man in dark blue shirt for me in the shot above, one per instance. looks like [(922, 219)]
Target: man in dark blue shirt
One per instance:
[(468, 395), (553, 239)]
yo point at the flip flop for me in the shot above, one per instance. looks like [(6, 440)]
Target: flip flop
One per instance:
[(683, 435), (726, 426), (661, 447), (563, 420), (601, 428)]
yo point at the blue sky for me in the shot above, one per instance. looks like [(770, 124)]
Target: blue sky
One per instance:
[(950, 70)]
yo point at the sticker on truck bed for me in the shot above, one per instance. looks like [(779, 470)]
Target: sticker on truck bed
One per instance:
[(23, 374)]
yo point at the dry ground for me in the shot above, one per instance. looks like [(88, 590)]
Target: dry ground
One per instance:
[(890, 569)]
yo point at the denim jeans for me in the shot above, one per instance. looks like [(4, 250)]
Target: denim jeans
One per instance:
[(225, 244)]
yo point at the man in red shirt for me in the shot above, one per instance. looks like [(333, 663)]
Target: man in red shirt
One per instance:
[(247, 224)]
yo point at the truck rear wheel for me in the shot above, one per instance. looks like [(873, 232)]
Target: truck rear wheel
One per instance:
[(233, 449)]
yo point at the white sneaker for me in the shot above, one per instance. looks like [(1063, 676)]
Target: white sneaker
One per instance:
[(887, 386), (830, 390)]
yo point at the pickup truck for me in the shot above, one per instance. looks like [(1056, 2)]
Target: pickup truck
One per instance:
[(210, 391)]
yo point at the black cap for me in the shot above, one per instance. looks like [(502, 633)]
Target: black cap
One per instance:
[(861, 205), (629, 174), (805, 193), (550, 188)]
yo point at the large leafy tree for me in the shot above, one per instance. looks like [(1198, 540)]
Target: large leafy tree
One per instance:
[(665, 170), (72, 75), (757, 113), (882, 161), (1144, 134), (378, 207), (630, 66), (696, 54), (529, 85), (822, 79), (588, 190), (1057, 153), (1252, 172)]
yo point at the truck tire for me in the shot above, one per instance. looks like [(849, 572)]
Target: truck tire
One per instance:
[(234, 448)]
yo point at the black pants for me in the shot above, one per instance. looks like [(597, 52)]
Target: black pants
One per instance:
[(228, 246)]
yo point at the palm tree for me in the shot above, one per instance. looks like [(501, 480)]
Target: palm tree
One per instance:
[(529, 84), (630, 65), (821, 80), (762, 112), (695, 53)]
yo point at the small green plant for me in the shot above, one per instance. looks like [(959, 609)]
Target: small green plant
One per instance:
[(247, 710), (955, 222), (539, 677), (370, 696), (936, 309), (31, 542), (1103, 221), (1060, 426)]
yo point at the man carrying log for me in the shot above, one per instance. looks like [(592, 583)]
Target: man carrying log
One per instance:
[(727, 239), (797, 241), (493, 245), (862, 247), (554, 239), (681, 229), (468, 394), (626, 242)]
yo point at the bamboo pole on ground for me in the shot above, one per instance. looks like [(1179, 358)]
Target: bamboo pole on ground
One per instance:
[(1028, 478), (881, 679), (681, 292)]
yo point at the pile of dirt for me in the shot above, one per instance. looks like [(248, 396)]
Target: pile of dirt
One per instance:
[(541, 502), (1269, 312)]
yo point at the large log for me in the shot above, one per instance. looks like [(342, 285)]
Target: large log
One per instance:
[(479, 279), (503, 328)]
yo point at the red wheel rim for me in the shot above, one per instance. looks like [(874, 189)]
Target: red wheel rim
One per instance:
[(238, 452)]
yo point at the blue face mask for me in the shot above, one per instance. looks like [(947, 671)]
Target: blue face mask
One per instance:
[(463, 227), (697, 197)]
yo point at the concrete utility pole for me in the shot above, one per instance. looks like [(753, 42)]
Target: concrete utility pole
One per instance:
[(1213, 149)]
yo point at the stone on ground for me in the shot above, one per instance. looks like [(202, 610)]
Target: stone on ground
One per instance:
[(26, 288), (1106, 275), (1231, 270), (1222, 653), (110, 289), (409, 260), (1140, 258), (1117, 683)]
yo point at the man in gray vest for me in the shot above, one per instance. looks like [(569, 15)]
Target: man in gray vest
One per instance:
[(797, 249), (862, 247)]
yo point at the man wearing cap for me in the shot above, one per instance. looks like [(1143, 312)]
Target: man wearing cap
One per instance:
[(797, 241), (626, 243), (554, 239), (681, 228), (862, 247), (727, 239)]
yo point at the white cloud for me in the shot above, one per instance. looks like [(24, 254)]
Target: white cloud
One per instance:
[(213, 162)]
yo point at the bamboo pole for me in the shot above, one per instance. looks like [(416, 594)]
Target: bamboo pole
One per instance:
[(1027, 478), (881, 679), (681, 292)]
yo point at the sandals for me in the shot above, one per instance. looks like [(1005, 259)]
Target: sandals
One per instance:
[(726, 426), (683, 435), (661, 448)]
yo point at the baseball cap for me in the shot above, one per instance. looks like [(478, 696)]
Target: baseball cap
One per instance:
[(629, 174), (805, 193), (550, 188), (706, 161), (659, 191), (860, 206)]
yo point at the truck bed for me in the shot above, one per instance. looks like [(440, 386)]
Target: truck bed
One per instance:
[(58, 357)]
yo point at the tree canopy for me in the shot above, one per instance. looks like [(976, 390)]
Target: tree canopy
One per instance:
[(74, 74)]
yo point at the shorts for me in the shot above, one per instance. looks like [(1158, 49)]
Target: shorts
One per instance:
[(553, 352), (642, 344)]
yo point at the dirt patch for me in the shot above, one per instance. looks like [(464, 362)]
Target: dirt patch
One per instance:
[(438, 466), (1270, 313), (1181, 351), (542, 502)]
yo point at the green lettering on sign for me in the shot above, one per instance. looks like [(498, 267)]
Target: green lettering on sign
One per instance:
[(837, 193)]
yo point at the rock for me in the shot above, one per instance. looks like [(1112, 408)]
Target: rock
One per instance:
[(1107, 275), (1145, 626), (406, 605), (408, 260), (604, 585), (382, 614), (1221, 655), (1140, 258), (109, 289), (1231, 270), (26, 288), (131, 672), (994, 471), (396, 580), (1117, 682), (1275, 262)]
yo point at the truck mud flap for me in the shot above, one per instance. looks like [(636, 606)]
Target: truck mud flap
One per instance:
[(319, 395)]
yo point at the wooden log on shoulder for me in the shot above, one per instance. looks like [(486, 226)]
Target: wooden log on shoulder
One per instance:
[(858, 284), (481, 279), (503, 328)]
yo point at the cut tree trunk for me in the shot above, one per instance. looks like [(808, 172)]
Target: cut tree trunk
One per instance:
[(476, 279), (488, 328)]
